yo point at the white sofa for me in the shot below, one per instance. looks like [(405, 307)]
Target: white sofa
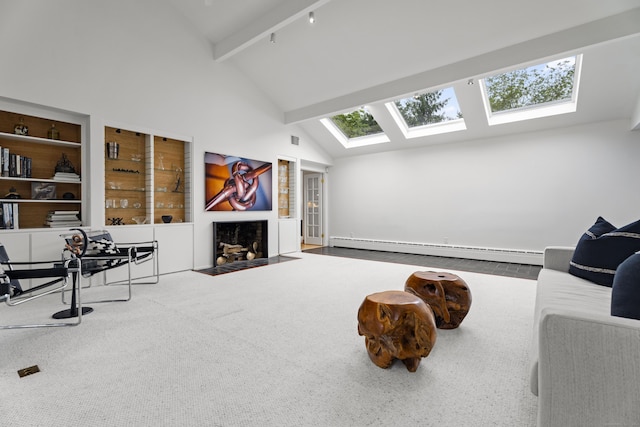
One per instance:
[(585, 363)]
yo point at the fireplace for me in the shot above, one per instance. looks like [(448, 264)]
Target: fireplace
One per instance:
[(239, 240)]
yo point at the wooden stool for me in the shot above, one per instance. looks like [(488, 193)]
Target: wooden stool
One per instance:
[(447, 294), (396, 325)]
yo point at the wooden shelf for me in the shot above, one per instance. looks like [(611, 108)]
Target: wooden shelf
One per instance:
[(168, 173), (45, 201), (37, 140), (45, 153), (148, 171)]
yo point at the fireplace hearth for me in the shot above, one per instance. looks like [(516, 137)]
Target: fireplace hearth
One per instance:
[(239, 240)]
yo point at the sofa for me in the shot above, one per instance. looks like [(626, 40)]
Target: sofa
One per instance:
[(585, 363)]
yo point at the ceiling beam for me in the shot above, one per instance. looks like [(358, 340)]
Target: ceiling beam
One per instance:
[(270, 22), (589, 34)]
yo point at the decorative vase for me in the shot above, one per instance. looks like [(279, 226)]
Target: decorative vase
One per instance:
[(53, 133), (21, 128)]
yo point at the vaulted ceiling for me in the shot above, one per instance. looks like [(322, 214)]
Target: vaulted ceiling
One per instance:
[(366, 52)]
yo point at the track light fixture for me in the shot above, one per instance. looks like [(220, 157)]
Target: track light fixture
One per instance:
[(312, 17), (470, 82), (272, 38)]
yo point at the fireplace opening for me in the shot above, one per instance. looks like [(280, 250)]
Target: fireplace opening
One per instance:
[(239, 240)]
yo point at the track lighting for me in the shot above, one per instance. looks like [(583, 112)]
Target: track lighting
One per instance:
[(312, 17), (470, 82), (272, 38)]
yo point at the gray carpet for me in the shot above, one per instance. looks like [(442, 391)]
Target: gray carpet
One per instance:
[(269, 346)]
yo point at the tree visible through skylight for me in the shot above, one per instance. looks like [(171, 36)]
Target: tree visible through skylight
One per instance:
[(429, 108), (357, 123), (540, 84)]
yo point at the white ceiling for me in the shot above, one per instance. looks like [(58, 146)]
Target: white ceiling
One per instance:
[(365, 52)]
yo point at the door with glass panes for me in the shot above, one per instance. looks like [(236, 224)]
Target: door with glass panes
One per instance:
[(313, 209)]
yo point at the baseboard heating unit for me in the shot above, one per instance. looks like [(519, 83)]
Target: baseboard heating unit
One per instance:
[(517, 256)]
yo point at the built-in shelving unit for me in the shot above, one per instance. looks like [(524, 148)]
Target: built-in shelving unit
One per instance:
[(41, 160), (170, 187), (286, 188), (147, 178)]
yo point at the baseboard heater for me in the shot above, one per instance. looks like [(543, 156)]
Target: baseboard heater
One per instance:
[(517, 256)]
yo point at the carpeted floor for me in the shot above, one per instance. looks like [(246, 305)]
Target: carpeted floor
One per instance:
[(269, 346)]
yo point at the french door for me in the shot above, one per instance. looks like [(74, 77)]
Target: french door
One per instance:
[(313, 209)]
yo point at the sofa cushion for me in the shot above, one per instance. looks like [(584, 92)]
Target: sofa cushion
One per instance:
[(625, 295), (602, 248)]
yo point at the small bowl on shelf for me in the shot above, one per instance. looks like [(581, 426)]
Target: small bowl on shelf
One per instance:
[(167, 218), (140, 219)]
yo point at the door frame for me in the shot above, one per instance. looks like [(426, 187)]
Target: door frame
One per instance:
[(305, 169), (319, 238)]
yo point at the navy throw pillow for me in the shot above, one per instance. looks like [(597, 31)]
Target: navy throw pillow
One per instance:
[(625, 294), (602, 249)]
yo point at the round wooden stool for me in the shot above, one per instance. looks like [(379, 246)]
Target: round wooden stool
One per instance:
[(447, 294), (396, 325)]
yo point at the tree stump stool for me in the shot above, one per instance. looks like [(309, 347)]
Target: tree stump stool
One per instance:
[(447, 294), (396, 325)]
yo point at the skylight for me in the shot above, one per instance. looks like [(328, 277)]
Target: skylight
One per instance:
[(355, 129), (427, 113), (540, 90)]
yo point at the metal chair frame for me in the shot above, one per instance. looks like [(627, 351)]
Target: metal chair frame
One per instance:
[(60, 273), (127, 255)]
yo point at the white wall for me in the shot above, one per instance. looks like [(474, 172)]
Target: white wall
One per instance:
[(523, 191), (140, 63)]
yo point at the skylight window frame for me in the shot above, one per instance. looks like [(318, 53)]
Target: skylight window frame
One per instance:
[(424, 130), (429, 129), (361, 141), (536, 111)]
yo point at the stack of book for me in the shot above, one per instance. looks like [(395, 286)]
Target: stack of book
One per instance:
[(14, 165), (9, 216), (63, 219), (67, 176)]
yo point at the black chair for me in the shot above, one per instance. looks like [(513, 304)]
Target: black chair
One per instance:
[(98, 253), (47, 277)]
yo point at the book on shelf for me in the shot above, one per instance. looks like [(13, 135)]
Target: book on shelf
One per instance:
[(66, 224), (65, 212), (14, 165), (5, 161), (26, 167), (66, 176), (10, 216), (63, 219)]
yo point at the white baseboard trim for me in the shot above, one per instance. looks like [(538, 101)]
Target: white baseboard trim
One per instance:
[(518, 256)]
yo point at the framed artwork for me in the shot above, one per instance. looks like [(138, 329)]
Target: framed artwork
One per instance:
[(236, 184), (43, 190)]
